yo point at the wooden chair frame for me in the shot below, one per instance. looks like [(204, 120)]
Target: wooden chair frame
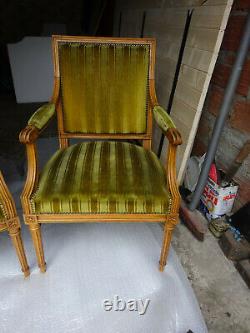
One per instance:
[(11, 223), (29, 135)]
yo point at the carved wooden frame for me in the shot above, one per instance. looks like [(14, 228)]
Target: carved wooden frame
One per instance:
[(29, 135), (11, 223)]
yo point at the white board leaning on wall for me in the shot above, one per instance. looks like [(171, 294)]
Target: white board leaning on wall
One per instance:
[(32, 69)]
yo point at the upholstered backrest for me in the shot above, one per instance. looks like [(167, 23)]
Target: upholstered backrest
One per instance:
[(1, 211), (104, 85), (3, 197)]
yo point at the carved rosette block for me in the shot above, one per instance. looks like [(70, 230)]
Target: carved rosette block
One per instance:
[(30, 219), (13, 225)]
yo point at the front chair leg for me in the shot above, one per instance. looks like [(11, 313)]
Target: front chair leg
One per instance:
[(168, 229), (35, 231), (15, 235)]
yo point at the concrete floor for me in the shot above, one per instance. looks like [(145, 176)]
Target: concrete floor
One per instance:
[(223, 296)]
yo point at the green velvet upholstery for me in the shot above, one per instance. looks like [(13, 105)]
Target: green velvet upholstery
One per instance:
[(102, 177), (41, 117), (104, 87), (1, 213), (162, 118)]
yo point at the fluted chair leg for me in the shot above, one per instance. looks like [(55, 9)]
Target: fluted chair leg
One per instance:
[(35, 231), (18, 245), (168, 229)]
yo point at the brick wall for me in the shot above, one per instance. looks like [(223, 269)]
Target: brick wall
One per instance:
[(237, 128)]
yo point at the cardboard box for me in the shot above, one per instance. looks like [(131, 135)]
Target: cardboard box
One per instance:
[(217, 200)]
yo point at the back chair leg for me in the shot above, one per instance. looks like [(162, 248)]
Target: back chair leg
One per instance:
[(18, 244), (168, 228), (35, 231)]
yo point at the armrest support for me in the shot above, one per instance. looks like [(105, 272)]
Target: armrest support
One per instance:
[(167, 126), (28, 136), (174, 136)]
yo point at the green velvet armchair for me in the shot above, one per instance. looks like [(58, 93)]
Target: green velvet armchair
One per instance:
[(104, 93), (9, 221)]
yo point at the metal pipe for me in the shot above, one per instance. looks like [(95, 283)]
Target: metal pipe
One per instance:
[(224, 110)]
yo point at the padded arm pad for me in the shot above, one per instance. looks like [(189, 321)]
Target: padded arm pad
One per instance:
[(167, 125), (41, 117), (162, 119)]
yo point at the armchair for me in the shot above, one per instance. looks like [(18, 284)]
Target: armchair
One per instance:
[(9, 221), (104, 88)]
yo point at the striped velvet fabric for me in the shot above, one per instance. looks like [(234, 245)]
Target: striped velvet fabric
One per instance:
[(2, 219), (104, 87), (102, 177), (1, 213), (3, 210)]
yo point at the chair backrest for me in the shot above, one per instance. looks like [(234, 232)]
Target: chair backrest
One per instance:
[(7, 206), (104, 86), (2, 209)]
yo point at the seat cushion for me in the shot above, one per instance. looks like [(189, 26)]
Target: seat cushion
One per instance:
[(102, 177)]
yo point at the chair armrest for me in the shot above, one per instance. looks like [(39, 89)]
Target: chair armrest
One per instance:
[(167, 125), (42, 116), (37, 123), (28, 136)]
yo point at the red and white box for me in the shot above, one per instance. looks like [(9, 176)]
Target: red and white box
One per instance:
[(218, 200)]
